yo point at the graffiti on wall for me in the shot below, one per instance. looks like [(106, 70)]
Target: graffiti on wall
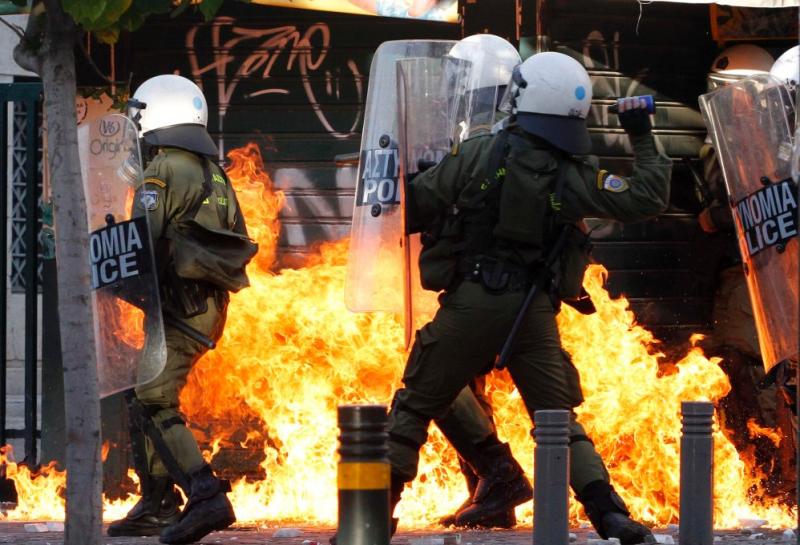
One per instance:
[(262, 54)]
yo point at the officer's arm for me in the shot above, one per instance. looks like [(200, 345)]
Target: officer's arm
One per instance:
[(718, 216), (432, 191), (599, 193)]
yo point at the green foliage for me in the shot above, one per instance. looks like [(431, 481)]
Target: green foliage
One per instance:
[(209, 8), (107, 18), (11, 7)]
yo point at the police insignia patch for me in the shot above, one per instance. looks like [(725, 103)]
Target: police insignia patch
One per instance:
[(149, 200), (615, 184)]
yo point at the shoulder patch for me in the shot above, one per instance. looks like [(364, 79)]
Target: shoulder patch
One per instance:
[(614, 183), (149, 199), (157, 181)]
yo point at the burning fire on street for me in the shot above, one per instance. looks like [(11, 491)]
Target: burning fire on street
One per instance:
[(292, 352)]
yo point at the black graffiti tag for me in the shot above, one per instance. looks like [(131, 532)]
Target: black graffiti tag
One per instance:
[(263, 49)]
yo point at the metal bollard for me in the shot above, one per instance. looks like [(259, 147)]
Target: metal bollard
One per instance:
[(364, 476), (697, 474), (551, 478)]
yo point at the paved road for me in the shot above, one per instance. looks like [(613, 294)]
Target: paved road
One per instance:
[(15, 533)]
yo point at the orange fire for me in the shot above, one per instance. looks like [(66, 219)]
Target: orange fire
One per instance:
[(292, 353)]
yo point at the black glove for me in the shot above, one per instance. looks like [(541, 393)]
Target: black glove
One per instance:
[(635, 118)]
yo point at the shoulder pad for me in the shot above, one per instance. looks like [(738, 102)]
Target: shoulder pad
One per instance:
[(479, 136), (156, 172), (590, 160), (472, 143)]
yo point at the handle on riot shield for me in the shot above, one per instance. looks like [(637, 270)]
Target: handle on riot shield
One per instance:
[(189, 331)]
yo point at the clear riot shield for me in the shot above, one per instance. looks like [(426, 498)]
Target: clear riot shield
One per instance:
[(128, 326), (430, 93), (376, 266), (749, 123)]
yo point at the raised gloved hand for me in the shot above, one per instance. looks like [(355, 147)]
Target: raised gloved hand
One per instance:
[(633, 115)]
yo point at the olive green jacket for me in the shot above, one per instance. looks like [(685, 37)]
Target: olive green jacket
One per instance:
[(522, 233), (172, 187)]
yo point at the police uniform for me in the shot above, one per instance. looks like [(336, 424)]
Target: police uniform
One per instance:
[(473, 321), (177, 186), (172, 187), (201, 252)]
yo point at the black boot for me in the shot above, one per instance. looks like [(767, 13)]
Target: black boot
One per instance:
[(208, 509), (158, 507), (506, 519), (395, 490), (502, 485), (609, 515)]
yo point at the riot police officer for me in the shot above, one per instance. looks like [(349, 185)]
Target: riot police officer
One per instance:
[(717, 266), (181, 187), (498, 206), (495, 481)]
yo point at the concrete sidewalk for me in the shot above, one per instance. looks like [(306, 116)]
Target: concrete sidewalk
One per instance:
[(15, 533)]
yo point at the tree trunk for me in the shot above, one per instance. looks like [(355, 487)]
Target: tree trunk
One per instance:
[(81, 391)]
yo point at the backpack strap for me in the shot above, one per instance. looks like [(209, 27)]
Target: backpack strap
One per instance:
[(495, 169), (208, 191)]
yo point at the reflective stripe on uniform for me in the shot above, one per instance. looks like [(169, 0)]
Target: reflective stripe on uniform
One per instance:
[(364, 476)]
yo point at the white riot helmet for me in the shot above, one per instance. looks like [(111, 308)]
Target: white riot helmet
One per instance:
[(493, 59), (552, 95), (170, 110), (738, 62), (787, 68)]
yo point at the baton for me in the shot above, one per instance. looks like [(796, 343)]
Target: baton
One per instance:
[(702, 190), (548, 264), (651, 105), (189, 331)]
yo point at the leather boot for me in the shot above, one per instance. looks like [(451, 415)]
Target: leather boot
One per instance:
[(506, 519), (158, 507), (502, 485), (395, 490), (610, 516), (208, 509)]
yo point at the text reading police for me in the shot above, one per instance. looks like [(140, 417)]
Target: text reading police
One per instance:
[(768, 216), (118, 252), (379, 171)]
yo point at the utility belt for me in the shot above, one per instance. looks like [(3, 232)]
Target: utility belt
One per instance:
[(495, 275)]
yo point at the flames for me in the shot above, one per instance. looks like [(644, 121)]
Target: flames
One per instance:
[(292, 352)]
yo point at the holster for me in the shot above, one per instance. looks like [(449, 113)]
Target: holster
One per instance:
[(496, 276), (188, 297)]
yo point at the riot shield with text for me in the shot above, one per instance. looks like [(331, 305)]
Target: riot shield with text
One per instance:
[(128, 325), (750, 126), (376, 268), (430, 97)]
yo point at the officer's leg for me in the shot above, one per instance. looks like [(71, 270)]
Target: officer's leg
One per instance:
[(447, 354), (155, 420), (208, 507), (171, 447), (486, 463), (547, 379)]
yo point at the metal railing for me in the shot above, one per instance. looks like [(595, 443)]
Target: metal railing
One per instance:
[(31, 95)]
